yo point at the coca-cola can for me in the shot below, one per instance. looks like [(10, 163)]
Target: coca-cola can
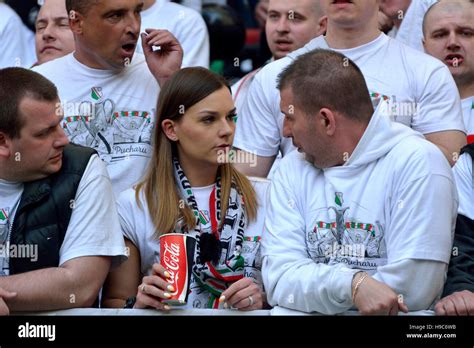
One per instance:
[(177, 257)]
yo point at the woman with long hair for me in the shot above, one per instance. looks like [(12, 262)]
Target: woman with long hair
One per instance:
[(192, 187)]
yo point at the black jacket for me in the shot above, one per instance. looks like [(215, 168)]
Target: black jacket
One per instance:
[(461, 266), (45, 208)]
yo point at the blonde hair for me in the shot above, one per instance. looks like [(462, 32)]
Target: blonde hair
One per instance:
[(185, 88)]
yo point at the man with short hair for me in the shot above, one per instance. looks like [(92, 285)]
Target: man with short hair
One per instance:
[(420, 89), (59, 228), (289, 26), (108, 92), (53, 36), (362, 226), (449, 36)]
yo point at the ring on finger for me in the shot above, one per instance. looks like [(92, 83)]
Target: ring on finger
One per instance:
[(250, 301), (143, 288)]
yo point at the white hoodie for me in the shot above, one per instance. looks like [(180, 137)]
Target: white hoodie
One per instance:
[(392, 206)]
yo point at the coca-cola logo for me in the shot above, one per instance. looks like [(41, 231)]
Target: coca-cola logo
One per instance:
[(171, 262)]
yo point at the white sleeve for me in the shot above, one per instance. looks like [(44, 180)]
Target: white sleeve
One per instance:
[(439, 106), (419, 282), (422, 218), (126, 207), (258, 129), (14, 44), (464, 181), (194, 39), (94, 229), (291, 278)]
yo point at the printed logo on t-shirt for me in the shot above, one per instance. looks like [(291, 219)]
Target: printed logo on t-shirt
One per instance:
[(96, 93), (3, 225), (115, 134), (346, 240)]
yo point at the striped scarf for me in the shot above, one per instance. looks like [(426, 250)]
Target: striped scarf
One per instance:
[(219, 262)]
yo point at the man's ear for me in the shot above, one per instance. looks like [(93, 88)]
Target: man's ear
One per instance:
[(76, 22), (5, 145), (322, 25), (327, 121), (168, 127)]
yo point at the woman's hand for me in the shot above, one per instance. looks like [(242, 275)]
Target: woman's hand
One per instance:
[(153, 289), (243, 295)]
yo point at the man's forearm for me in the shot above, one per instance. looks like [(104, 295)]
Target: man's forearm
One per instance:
[(46, 289), (75, 284)]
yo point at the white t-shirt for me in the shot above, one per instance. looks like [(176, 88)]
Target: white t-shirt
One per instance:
[(422, 87), (138, 227), (122, 106), (411, 29), (185, 24), (373, 213), (241, 88), (17, 45), (194, 4), (10, 194), (94, 228), (465, 185), (468, 115)]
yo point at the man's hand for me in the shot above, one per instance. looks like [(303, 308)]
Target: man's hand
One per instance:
[(164, 62), (4, 310), (244, 295), (376, 298), (458, 303)]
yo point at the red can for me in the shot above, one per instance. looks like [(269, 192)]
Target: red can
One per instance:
[(177, 257)]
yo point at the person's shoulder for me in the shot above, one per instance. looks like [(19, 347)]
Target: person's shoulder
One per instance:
[(259, 184), (414, 59), (9, 17), (53, 66), (127, 201), (270, 72), (315, 43), (183, 12), (420, 156)]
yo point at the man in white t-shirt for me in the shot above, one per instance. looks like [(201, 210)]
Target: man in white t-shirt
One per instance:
[(419, 88), (289, 26), (17, 43), (407, 17), (53, 36), (449, 36), (369, 221), (108, 93), (59, 228), (185, 24)]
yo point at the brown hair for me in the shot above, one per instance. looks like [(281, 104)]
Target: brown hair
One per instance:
[(325, 78), (16, 84), (185, 88)]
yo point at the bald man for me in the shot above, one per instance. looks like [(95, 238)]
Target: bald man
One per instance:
[(449, 36)]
